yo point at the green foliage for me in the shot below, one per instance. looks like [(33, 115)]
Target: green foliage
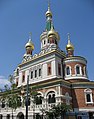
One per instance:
[(14, 101), (58, 110), (34, 95), (10, 96)]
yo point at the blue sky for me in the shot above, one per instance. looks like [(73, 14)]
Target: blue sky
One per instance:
[(19, 17)]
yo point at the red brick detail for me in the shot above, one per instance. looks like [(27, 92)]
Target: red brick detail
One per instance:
[(78, 96)]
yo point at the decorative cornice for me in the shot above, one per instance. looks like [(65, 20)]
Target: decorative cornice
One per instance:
[(76, 77), (61, 53), (75, 59)]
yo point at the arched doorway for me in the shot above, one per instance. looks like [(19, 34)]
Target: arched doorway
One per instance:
[(20, 115)]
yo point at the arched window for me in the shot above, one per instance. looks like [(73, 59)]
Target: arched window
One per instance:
[(38, 99), (67, 70), (78, 69), (85, 71), (51, 97), (3, 104), (88, 96)]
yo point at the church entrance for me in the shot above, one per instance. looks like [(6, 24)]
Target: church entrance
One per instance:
[(20, 115)]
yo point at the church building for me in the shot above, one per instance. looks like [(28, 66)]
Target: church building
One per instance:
[(58, 76)]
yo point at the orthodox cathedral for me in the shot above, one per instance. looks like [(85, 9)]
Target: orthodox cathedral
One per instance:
[(59, 77)]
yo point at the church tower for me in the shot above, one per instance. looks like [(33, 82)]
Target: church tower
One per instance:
[(49, 38)]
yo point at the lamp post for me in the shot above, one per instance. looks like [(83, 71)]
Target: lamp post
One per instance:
[(27, 87)]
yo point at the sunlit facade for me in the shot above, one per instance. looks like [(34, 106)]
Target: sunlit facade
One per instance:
[(58, 76)]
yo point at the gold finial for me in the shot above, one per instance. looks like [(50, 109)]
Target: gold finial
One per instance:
[(68, 38), (48, 13), (30, 35), (29, 43), (48, 5), (69, 45)]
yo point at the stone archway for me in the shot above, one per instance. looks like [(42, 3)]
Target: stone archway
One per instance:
[(20, 115)]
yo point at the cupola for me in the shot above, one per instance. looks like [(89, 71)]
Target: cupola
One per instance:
[(29, 46), (69, 47)]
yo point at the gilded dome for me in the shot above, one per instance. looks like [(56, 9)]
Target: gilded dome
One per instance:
[(29, 44), (53, 32), (69, 46)]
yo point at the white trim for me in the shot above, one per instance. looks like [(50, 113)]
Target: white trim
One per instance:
[(80, 71), (87, 109), (88, 91), (50, 90), (76, 77), (75, 60)]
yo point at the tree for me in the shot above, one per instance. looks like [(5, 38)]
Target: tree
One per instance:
[(10, 95), (58, 110)]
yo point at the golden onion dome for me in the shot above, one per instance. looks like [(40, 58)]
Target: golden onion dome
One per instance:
[(29, 44), (69, 46), (53, 32)]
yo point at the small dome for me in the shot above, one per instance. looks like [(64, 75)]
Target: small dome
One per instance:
[(29, 44), (53, 32), (69, 46)]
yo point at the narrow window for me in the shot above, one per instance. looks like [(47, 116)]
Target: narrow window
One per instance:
[(48, 40), (88, 98), (77, 70), (49, 68), (59, 69), (83, 71), (49, 99), (44, 42), (17, 82), (23, 77), (35, 73), (68, 71), (31, 74), (53, 100), (39, 72)]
